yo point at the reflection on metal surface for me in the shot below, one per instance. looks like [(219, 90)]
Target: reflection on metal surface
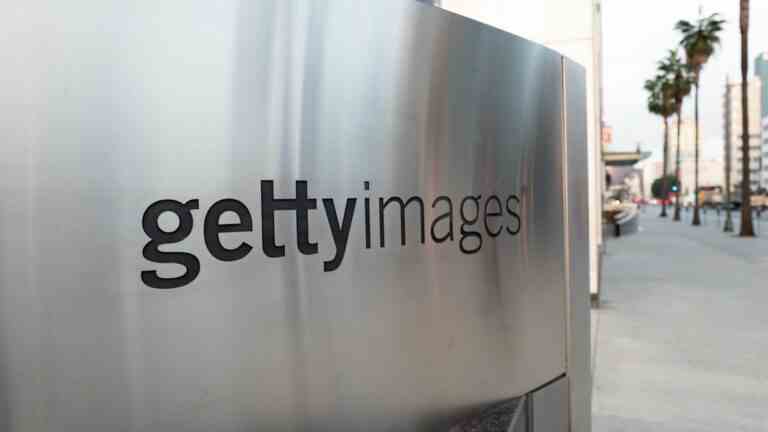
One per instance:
[(549, 408), (111, 107), (508, 416), (545, 409)]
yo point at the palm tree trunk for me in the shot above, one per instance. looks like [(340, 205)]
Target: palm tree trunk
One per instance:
[(664, 186), (696, 217), (677, 169), (746, 229)]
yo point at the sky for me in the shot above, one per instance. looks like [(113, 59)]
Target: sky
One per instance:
[(638, 34)]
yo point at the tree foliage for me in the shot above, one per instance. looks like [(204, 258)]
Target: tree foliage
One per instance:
[(677, 77), (699, 40), (657, 187), (659, 100)]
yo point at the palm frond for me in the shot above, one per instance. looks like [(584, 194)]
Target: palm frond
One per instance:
[(700, 40)]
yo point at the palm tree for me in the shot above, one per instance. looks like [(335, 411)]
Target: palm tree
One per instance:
[(679, 83), (746, 229), (699, 42), (661, 104)]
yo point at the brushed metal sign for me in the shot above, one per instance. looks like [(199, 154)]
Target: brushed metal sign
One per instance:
[(275, 215)]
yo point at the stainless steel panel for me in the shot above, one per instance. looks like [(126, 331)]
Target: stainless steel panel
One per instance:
[(550, 408), (108, 107), (521, 422), (508, 416), (577, 204)]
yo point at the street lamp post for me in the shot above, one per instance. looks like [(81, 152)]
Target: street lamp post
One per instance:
[(728, 227)]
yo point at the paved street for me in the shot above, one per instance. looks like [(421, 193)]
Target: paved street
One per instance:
[(681, 340)]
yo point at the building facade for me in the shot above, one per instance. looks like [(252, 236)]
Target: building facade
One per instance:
[(711, 173), (733, 132), (761, 71), (687, 142), (651, 169), (764, 177)]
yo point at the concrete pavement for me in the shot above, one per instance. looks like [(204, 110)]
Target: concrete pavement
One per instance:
[(681, 340)]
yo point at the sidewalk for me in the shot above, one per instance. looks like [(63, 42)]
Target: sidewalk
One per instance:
[(681, 339)]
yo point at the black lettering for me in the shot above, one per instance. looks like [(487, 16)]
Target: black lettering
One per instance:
[(213, 228), (151, 251), (496, 213), (340, 233), (466, 234), (447, 215), (367, 186), (301, 205), (473, 212), (514, 214), (383, 204)]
